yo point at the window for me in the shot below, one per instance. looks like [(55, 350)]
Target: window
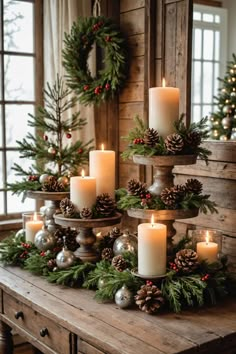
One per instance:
[(209, 57), (20, 90)]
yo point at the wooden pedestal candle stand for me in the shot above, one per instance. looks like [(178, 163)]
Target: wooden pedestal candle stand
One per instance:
[(163, 178), (86, 237), (54, 198)]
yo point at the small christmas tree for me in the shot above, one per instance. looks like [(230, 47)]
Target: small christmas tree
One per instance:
[(223, 121), (55, 158)]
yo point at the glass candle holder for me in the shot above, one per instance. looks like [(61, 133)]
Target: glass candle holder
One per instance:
[(32, 223), (207, 243)]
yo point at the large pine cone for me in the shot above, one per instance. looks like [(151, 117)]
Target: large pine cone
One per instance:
[(70, 238), (105, 205), (151, 137), (136, 188), (107, 254), (52, 185), (119, 263), (174, 143), (186, 260), (193, 186), (193, 139), (149, 298), (86, 213), (172, 196), (67, 208), (114, 233)]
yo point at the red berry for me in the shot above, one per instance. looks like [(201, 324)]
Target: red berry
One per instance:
[(86, 87), (148, 196), (42, 253), (80, 151), (98, 90), (107, 86), (68, 135), (108, 39), (45, 137)]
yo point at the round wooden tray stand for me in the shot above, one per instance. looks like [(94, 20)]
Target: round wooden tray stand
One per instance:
[(163, 178), (54, 199), (86, 237)]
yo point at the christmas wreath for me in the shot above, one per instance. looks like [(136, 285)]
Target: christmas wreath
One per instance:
[(78, 44)]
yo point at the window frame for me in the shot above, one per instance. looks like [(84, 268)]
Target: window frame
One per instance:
[(8, 218)]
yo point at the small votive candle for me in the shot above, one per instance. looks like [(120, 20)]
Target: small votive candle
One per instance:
[(207, 250), (32, 223)]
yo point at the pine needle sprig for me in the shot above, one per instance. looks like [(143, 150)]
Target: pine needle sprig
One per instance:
[(15, 252), (37, 263)]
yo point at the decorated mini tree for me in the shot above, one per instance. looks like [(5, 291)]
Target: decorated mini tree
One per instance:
[(55, 156), (223, 121)]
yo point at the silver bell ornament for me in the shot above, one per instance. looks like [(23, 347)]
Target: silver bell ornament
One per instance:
[(124, 297), (44, 239), (65, 258), (20, 235), (125, 243)]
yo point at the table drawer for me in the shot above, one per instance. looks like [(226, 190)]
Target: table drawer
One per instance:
[(41, 327)]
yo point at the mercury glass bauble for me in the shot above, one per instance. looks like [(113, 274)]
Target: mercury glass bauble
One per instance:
[(44, 240), (20, 235), (223, 137), (124, 297), (125, 243), (65, 258), (226, 122), (43, 178), (64, 180)]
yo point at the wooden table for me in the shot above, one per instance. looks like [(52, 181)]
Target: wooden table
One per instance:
[(56, 319)]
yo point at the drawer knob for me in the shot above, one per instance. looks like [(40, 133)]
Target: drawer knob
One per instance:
[(19, 314), (43, 332)]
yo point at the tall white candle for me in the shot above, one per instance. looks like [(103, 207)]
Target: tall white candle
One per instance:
[(83, 191), (32, 227), (207, 250), (163, 109), (152, 249), (102, 167)]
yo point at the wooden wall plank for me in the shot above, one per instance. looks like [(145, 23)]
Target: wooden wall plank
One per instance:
[(132, 93), (127, 5), (170, 44), (130, 110), (136, 44), (136, 69), (133, 22)]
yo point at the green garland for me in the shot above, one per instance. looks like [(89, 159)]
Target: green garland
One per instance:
[(78, 44), (202, 286)]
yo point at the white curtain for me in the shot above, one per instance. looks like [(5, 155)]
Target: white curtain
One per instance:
[(59, 16)]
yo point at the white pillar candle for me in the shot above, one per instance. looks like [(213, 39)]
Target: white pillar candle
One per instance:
[(83, 191), (163, 109), (152, 249), (32, 227), (102, 167), (207, 250)]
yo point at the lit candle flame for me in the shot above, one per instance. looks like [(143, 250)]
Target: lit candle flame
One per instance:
[(163, 82), (207, 237), (102, 147), (152, 220), (82, 173)]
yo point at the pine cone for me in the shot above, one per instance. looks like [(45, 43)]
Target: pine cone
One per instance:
[(105, 205), (186, 260), (172, 196), (174, 143), (149, 298), (86, 213), (193, 186), (52, 185), (136, 188), (151, 137), (70, 240), (67, 208), (119, 263), (107, 254), (114, 233), (193, 139), (51, 263)]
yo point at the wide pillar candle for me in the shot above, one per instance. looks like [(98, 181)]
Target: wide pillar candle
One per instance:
[(102, 167), (163, 109), (152, 249), (83, 191)]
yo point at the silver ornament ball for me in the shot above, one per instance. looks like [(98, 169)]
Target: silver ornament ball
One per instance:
[(44, 240), (101, 283), (20, 235), (51, 150), (43, 178), (226, 122), (124, 297), (125, 243), (65, 258), (223, 138)]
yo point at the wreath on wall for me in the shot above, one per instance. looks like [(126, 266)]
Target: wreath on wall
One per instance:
[(78, 44)]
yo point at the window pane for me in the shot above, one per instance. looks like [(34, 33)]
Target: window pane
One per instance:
[(1, 203), (208, 17), (207, 82), (208, 44), (18, 25), (197, 82), (15, 204), (16, 123), (217, 45), (196, 113), (13, 157), (1, 170), (217, 19), (197, 16), (197, 43), (206, 110), (216, 81), (19, 83)]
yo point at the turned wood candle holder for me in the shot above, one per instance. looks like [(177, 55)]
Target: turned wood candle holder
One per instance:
[(86, 237)]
